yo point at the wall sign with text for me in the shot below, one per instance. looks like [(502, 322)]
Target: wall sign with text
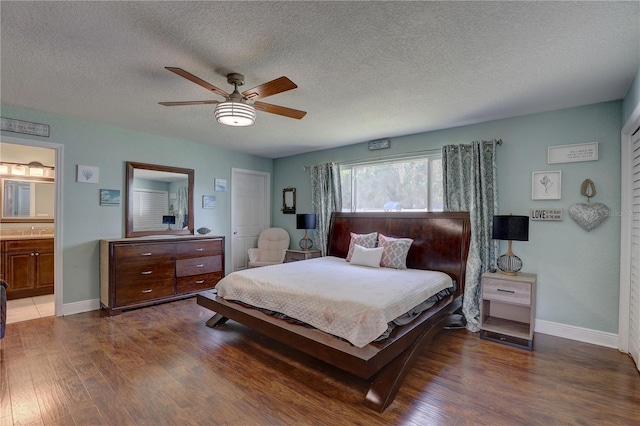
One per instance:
[(545, 214), (572, 153)]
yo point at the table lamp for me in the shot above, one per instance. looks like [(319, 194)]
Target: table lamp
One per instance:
[(169, 220), (509, 227), (306, 221)]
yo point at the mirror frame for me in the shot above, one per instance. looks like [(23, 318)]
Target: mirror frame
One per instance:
[(131, 166), (289, 208), (24, 219)]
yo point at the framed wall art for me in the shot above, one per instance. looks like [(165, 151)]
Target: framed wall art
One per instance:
[(220, 185), (208, 201), (546, 185), (87, 174), (109, 197)]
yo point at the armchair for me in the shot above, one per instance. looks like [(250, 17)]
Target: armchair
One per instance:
[(272, 248)]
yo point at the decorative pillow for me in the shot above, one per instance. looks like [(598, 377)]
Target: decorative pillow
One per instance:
[(363, 240), (366, 256), (395, 251)]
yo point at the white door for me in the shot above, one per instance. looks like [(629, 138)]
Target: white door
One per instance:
[(250, 212), (634, 299)]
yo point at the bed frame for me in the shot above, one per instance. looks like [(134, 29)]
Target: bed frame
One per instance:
[(441, 242)]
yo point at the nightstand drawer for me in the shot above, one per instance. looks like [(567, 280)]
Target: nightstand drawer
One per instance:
[(506, 291), (294, 256), (297, 255)]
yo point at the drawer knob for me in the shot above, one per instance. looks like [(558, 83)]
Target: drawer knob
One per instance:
[(506, 291), (199, 281), (200, 265), (199, 249), (147, 290), (147, 272), (146, 254)]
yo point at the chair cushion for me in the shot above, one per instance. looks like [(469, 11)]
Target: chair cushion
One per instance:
[(272, 244)]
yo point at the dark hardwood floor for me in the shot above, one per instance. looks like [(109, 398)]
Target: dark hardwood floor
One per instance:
[(162, 366)]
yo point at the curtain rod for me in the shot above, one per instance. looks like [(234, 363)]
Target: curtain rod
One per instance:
[(426, 152)]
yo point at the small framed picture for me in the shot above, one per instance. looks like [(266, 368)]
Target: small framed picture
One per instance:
[(208, 201), (220, 185), (546, 185), (109, 197), (87, 174)]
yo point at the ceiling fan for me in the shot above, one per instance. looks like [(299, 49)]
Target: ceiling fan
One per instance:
[(235, 110)]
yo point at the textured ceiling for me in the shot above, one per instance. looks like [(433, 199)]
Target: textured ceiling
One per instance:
[(365, 70)]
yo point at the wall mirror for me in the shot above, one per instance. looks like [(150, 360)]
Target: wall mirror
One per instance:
[(289, 201), (154, 192), (27, 200)]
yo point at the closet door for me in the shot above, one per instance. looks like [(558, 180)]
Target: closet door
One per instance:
[(634, 302)]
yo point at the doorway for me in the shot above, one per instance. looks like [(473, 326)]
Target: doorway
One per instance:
[(629, 319), (250, 212), (33, 247)]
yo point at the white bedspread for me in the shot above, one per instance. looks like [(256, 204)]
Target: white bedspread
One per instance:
[(349, 301)]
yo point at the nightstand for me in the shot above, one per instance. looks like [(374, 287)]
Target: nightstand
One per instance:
[(295, 255), (507, 308)]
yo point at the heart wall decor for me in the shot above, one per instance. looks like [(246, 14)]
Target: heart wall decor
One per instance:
[(589, 215)]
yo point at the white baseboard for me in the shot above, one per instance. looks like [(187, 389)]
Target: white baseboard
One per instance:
[(79, 307), (601, 338)]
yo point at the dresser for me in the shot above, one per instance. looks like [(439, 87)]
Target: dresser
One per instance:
[(27, 266), (507, 308), (136, 272)]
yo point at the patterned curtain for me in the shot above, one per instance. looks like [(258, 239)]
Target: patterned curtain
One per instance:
[(326, 197), (182, 219), (470, 184)]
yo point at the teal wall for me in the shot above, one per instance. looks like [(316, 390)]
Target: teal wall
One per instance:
[(85, 222), (578, 271)]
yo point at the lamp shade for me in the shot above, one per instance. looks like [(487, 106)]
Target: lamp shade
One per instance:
[(509, 227), (306, 221), (235, 114)]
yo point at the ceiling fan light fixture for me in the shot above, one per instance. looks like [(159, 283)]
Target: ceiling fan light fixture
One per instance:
[(235, 114)]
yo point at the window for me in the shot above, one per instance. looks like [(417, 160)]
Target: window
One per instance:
[(149, 207), (408, 184)]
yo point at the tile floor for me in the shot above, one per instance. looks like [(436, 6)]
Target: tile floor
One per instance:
[(30, 308)]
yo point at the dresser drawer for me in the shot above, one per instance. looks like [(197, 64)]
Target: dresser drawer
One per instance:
[(146, 272), (506, 291), (190, 249), (144, 291), (197, 282), (147, 253), (198, 265)]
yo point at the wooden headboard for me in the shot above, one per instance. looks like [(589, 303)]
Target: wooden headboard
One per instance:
[(440, 240)]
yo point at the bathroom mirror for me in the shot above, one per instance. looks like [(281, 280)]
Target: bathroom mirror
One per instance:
[(27, 200), (289, 201), (154, 192)]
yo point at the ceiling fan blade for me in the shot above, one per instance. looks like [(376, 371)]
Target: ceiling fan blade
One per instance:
[(197, 80), (273, 87), (188, 103), (276, 109)]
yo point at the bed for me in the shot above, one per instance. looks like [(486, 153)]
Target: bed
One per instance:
[(440, 243)]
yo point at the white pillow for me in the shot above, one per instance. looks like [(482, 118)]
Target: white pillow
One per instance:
[(366, 256)]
